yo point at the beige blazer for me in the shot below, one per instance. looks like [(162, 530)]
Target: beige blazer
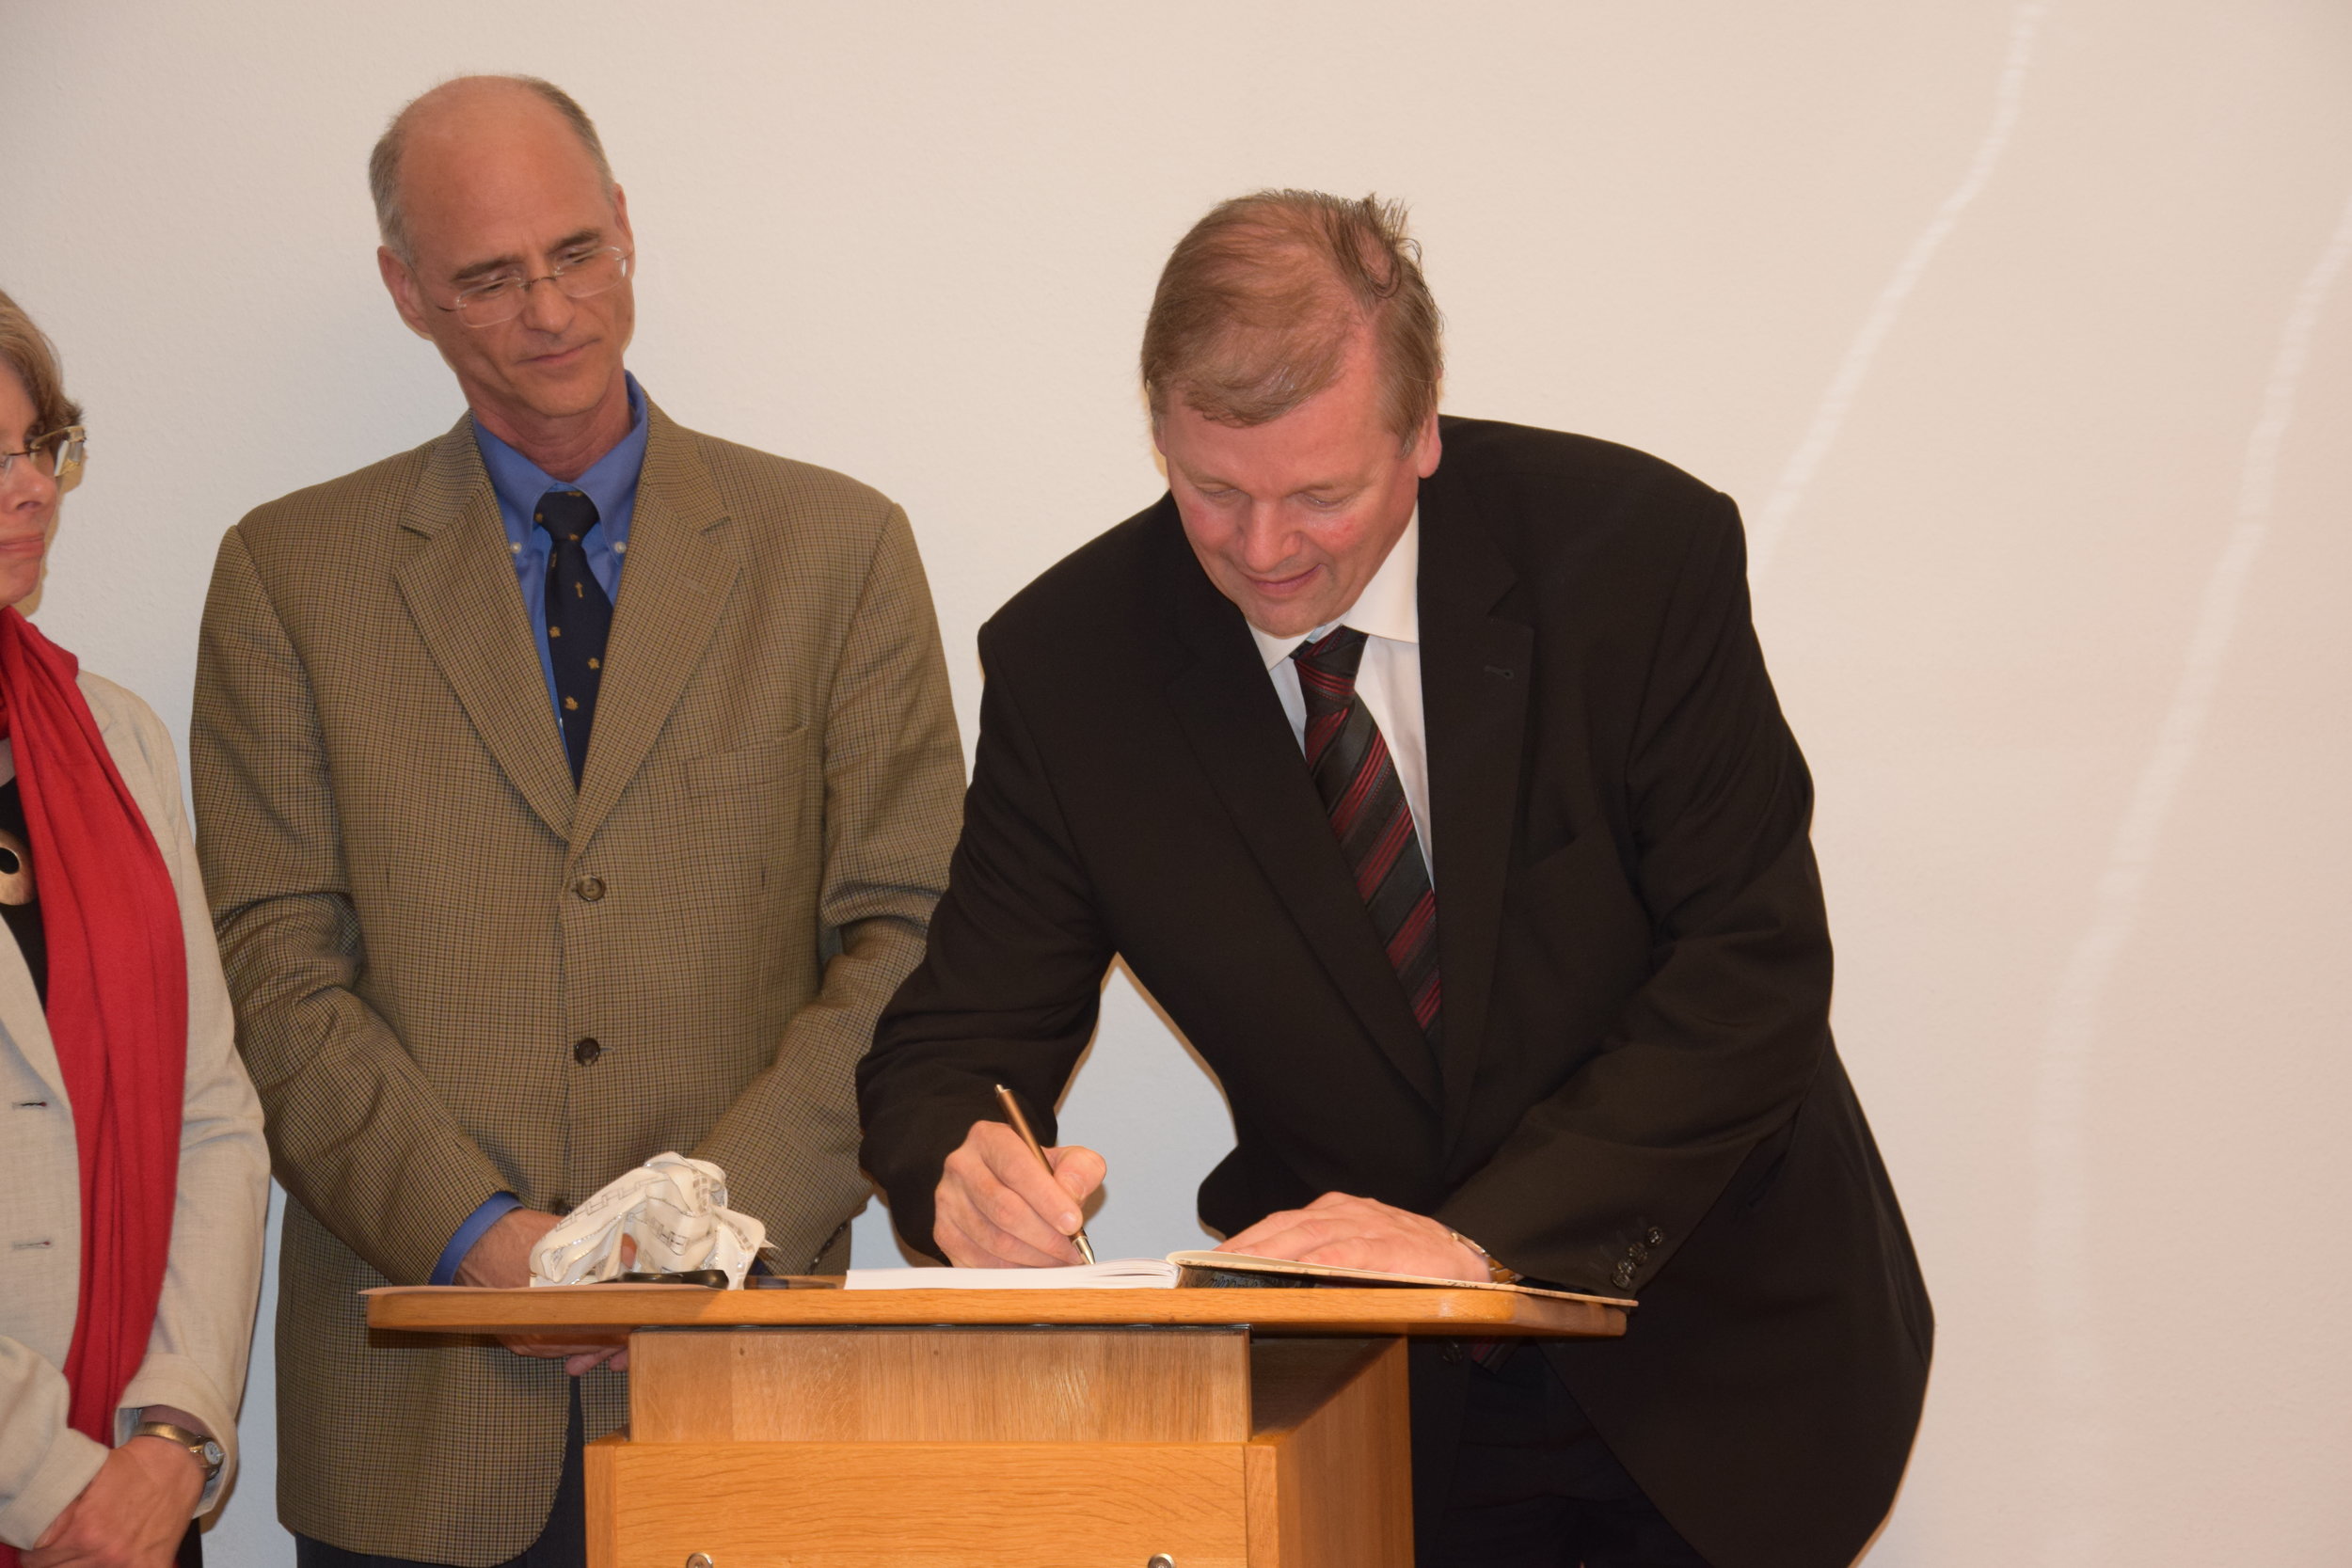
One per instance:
[(425, 928), (204, 1322)]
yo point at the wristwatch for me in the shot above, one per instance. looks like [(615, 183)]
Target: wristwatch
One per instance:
[(1497, 1274), (207, 1450)]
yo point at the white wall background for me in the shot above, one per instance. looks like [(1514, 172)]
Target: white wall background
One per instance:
[(2022, 331)]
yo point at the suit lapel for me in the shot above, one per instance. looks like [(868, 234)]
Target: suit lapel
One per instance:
[(459, 587), (26, 1024), (21, 1012), (1476, 667), (1234, 724), (681, 569), (23, 1017)]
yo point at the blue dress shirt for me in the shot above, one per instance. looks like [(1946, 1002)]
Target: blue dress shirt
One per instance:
[(611, 483)]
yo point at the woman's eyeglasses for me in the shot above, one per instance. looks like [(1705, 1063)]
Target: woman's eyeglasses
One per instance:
[(58, 453)]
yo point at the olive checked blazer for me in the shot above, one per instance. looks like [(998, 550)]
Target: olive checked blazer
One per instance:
[(422, 923)]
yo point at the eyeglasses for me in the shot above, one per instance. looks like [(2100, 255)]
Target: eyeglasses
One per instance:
[(581, 275), (56, 453)]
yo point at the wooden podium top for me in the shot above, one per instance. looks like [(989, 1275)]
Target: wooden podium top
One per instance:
[(616, 1309)]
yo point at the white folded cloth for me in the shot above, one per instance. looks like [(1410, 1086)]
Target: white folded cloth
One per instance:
[(675, 1211)]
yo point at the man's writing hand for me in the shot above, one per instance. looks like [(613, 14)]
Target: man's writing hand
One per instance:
[(995, 1208), (131, 1515), (1345, 1232), (502, 1260)]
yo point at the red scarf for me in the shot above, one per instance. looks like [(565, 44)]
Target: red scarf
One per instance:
[(118, 1008)]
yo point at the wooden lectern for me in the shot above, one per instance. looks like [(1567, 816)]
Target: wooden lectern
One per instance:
[(1002, 1429)]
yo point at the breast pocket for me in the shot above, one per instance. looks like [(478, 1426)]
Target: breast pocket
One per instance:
[(1567, 875), (756, 814), (1574, 911), (747, 771)]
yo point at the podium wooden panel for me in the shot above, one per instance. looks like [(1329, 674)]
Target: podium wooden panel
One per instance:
[(1001, 1429)]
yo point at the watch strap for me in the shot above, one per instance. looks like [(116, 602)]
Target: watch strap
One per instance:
[(206, 1450)]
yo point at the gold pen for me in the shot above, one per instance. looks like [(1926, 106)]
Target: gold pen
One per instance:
[(1021, 1125)]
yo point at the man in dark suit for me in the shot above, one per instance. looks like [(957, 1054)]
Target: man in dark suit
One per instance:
[(1427, 772)]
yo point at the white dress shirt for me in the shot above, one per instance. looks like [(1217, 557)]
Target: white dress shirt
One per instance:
[(1388, 612)]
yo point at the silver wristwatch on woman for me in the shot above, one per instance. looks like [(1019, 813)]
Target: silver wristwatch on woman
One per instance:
[(207, 1450)]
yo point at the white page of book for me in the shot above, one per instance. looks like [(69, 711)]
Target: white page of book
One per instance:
[(1123, 1273)]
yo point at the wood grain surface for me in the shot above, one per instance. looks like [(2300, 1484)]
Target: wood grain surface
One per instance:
[(860, 1448), (918, 1505), (964, 1385), (1327, 1477), (618, 1309)]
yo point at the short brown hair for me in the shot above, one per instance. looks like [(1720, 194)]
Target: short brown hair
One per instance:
[(1259, 302), (392, 221), (28, 351)]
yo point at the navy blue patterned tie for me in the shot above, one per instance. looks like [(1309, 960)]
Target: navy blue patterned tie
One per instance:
[(579, 617)]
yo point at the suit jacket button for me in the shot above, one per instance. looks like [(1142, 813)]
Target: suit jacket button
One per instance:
[(589, 889), (1657, 1237), (586, 1052)]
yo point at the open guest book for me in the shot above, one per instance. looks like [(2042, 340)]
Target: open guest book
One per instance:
[(1214, 1270)]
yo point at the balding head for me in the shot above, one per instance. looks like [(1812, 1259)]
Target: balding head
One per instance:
[(467, 110), (507, 243)]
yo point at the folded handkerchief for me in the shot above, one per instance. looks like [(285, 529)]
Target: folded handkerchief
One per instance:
[(676, 1212)]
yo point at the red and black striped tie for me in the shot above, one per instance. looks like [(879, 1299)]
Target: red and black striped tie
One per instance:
[(1357, 780)]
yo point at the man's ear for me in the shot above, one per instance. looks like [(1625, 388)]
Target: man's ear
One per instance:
[(1427, 447), (400, 284), (620, 219)]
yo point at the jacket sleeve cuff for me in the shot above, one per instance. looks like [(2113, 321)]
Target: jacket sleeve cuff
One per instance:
[(175, 1381), (68, 1469), (494, 1207)]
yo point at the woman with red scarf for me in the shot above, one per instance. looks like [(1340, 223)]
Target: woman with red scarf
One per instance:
[(133, 1175)]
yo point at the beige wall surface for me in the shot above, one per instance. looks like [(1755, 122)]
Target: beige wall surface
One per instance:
[(2022, 332)]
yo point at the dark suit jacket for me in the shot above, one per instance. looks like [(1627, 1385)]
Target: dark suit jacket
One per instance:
[(1637, 1093)]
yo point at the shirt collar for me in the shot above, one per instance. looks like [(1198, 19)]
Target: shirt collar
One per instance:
[(1390, 605), (611, 482)]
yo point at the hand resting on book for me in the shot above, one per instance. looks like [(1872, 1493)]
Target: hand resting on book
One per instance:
[(1361, 1233)]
